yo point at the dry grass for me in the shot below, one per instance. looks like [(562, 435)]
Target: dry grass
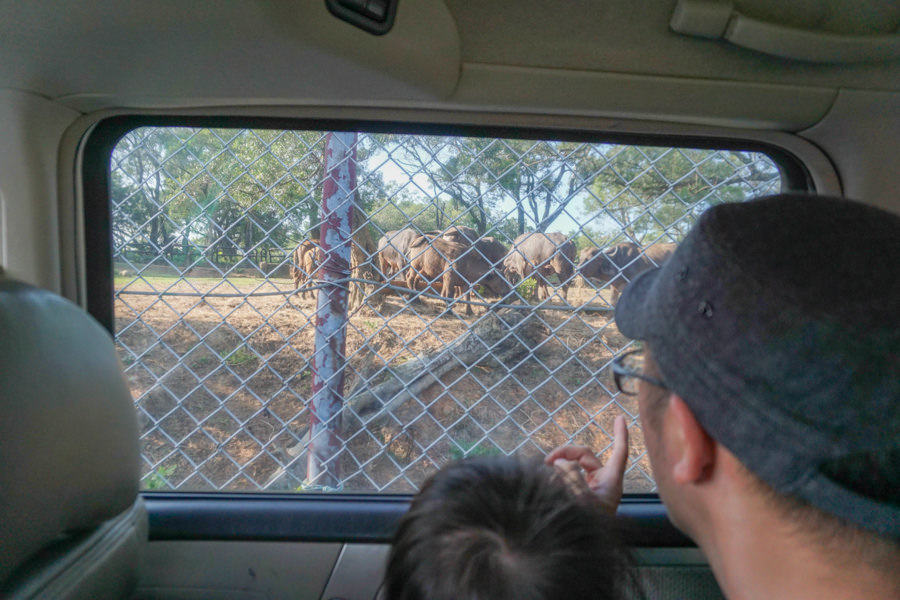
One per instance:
[(223, 386)]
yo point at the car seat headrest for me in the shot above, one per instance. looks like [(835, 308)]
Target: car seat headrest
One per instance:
[(68, 430)]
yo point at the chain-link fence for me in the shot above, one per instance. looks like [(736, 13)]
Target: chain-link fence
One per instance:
[(453, 346)]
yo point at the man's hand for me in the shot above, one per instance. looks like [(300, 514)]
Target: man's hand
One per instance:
[(605, 481)]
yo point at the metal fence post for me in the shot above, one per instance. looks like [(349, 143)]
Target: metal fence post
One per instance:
[(336, 216)]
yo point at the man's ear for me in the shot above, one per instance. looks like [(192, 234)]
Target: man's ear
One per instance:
[(693, 451)]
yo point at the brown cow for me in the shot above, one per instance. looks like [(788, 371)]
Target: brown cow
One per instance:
[(621, 263), (482, 264), (393, 251), (459, 267), (461, 235), (542, 254), (458, 233), (492, 250), (304, 263)]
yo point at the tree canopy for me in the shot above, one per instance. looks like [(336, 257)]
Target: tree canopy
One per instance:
[(186, 195)]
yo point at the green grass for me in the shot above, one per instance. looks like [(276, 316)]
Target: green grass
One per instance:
[(526, 287), (201, 362), (157, 479), (466, 449), (240, 356)]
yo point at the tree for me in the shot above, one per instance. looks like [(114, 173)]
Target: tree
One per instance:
[(651, 193), (534, 180), (140, 189), (481, 182), (235, 192), (186, 192), (413, 193)]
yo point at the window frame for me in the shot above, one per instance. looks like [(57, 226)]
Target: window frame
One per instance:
[(345, 518), (357, 518)]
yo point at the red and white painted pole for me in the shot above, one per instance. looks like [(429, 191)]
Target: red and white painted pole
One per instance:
[(336, 216)]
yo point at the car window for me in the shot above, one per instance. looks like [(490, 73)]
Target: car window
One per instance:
[(219, 261)]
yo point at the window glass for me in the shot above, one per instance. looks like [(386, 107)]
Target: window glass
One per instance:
[(220, 263)]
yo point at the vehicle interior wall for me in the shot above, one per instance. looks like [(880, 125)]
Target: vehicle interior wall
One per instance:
[(31, 128), (126, 55), (238, 570), (445, 62), (860, 135), (245, 570), (608, 59)]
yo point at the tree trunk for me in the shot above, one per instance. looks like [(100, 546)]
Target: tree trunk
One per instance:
[(504, 336), (362, 253)]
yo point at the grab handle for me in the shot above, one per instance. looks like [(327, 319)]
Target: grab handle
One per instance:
[(719, 20)]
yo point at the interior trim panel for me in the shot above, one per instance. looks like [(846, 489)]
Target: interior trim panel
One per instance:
[(339, 518)]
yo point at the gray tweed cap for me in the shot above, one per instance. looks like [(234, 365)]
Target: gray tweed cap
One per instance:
[(778, 322)]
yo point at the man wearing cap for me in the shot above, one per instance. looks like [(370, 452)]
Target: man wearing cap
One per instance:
[(768, 383)]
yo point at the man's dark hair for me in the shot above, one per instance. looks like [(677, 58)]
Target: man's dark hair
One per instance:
[(875, 475), (878, 551), (499, 528)]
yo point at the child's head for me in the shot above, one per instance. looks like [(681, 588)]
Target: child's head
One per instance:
[(500, 528)]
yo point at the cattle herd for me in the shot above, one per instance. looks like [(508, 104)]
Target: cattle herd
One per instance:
[(458, 261)]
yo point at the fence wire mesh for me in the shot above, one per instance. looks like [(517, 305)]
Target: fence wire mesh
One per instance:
[(216, 252)]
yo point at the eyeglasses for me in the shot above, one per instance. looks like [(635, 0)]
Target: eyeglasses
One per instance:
[(627, 368)]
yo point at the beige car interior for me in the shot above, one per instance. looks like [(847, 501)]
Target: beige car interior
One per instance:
[(816, 79)]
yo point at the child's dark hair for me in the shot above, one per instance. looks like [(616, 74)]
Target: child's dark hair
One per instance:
[(500, 528)]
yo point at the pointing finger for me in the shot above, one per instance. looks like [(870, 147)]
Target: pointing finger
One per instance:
[(615, 469), (580, 454)]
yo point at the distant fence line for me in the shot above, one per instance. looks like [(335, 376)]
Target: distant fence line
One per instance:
[(215, 256), (543, 305)]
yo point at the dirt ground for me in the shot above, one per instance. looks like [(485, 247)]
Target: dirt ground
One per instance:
[(222, 385)]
